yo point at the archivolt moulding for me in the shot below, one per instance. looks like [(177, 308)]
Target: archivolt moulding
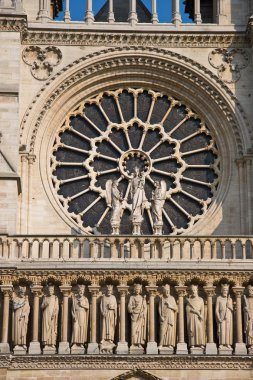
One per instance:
[(115, 59)]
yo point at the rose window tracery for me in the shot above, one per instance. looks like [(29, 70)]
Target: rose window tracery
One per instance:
[(107, 136)]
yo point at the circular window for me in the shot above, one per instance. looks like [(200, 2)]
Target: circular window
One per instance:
[(110, 135)]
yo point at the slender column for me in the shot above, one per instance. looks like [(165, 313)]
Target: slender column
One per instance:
[(240, 164), (240, 347), (122, 347), (154, 12), (64, 344), (197, 13), (31, 160), (67, 12), (152, 348), (222, 13), (44, 14), (89, 16), (211, 348), (111, 18), (93, 345), (19, 6), (34, 348), (4, 345), (176, 15), (249, 193), (132, 18), (181, 345)]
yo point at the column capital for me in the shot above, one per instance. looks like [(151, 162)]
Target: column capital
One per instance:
[(94, 289), (181, 290), (238, 290), (65, 289), (36, 289), (7, 288), (209, 290), (122, 289), (151, 289)]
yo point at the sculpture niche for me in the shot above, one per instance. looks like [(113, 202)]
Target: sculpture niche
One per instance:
[(137, 307), (157, 204), (195, 321), (50, 311), (108, 309), (224, 320), (80, 317), (248, 318), (21, 311), (168, 316)]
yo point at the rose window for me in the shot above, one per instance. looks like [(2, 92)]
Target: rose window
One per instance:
[(110, 135)]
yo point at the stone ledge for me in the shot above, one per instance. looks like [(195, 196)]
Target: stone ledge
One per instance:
[(125, 362)]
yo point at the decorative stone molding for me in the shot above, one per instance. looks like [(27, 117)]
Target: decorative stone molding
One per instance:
[(42, 61), (131, 59), (137, 373), (13, 23), (133, 363), (141, 39), (229, 63)]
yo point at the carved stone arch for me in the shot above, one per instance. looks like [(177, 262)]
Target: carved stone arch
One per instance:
[(136, 375), (167, 72)]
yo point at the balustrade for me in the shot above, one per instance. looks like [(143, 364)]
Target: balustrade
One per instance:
[(179, 312), (164, 248)]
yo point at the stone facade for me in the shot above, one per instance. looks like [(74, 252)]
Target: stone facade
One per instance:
[(75, 97)]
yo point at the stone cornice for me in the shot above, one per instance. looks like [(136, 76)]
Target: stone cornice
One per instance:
[(174, 39), (130, 363), (13, 23)]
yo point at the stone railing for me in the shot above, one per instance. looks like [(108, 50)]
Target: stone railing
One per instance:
[(118, 248)]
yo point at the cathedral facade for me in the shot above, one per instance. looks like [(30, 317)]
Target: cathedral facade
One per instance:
[(126, 198)]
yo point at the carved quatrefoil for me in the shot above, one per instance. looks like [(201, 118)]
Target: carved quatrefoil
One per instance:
[(42, 61), (229, 63)]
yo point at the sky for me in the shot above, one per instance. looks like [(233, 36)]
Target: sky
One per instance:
[(77, 9)]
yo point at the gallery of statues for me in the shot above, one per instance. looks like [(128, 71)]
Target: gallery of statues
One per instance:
[(126, 189)]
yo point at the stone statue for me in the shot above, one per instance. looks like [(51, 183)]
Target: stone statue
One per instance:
[(50, 311), (108, 308), (167, 312), (137, 307), (21, 310), (224, 317), (248, 317), (80, 317), (114, 201), (138, 199), (195, 311), (158, 199)]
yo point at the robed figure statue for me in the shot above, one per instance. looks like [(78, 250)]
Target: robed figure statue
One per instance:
[(195, 313), (224, 317), (248, 317), (80, 316), (167, 313), (114, 201), (50, 311), (137, 307), (21, 311), (108, 309)]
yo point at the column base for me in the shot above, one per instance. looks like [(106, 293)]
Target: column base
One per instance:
[(77, 349), (152, 348), (250, 350), (166, 350), (20, 350), (122, 348), (224, 350), (93, 349), (197, 350), (34, 348), (49, 350), (240, 349), (4, 348), (182, 349), (64, 348), (211, 349), (106, 347), (136, 350)]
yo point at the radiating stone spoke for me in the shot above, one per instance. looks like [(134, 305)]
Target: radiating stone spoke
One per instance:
[(180, 208), (79, 134), (163, 159), (198, 132), (59, 163), (78, 194), (178, 125), (99, 155), (205, 149), (103, 216), (155, 146), (108, 171), (92, 124), (128, 139), (169, 220), (196, 181), (167, 174), (191, 196), (150, 217), (74, 148), (62, 181), (142, 139), (90, 206)]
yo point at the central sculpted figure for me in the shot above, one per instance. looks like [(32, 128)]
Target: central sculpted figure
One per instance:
[(114, 201), (137, 307), (195, 318), (80, 316), (50, 310), (21, 310), (224, 317), (108, 308), (138, 195), (167, 312)]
